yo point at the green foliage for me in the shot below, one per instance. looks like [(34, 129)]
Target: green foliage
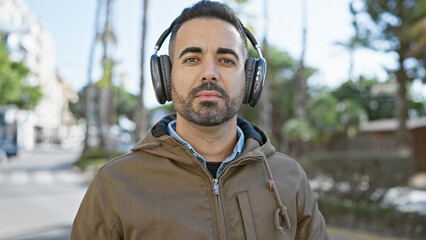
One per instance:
[(77, 108), (94, 158), (168, 107), (30, 97), (13, 90), (373, 217), (376, 98), (389, 25), (377, 106), (299, 130), (323, 114), (281, 72), (241, 1), (125, 103), (362, 177), (108, 68)]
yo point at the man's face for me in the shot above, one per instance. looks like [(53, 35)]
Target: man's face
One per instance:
[(207, 71)]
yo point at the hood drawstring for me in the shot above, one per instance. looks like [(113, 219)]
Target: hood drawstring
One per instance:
[(281, 210)]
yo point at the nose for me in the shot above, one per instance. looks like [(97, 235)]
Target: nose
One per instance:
[(210, 72)]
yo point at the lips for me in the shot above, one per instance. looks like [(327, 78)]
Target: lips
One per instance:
[(208, 95)]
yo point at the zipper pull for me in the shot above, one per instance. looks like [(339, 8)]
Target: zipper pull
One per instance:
[(216, 186)]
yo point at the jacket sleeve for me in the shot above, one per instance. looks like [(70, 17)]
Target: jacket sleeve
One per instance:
[(310, 222), (95, 218)]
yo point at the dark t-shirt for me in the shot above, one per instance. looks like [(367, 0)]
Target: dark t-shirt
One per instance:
[(213, 167)]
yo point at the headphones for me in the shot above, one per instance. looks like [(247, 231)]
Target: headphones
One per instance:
[(255, 69)]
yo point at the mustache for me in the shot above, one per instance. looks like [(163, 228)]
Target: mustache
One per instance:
[(209, 86)]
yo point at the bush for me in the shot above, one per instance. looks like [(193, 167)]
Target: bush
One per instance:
[(362, 177), (373, 217), (94, 158)]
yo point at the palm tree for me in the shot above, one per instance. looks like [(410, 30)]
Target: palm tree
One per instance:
[(355, 42), (140, 111), (105, 95), (301, 85), (400, 39), (89, 90), (266, 108)]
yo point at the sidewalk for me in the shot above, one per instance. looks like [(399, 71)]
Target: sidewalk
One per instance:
[(346, 234)]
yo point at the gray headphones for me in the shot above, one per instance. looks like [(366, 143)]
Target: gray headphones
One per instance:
[(161, 67)]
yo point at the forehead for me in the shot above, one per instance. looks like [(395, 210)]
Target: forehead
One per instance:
[(208, 33)]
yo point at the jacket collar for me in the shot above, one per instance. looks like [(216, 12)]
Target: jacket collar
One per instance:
[(256, 142), (160, 128)]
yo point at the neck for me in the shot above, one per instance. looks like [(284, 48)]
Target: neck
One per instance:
[(213, 143)]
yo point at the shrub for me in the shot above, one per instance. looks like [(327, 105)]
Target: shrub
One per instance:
[(373, 217), (362, 177), (94, 158)]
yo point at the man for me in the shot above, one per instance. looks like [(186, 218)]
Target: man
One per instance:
[(203, 173)]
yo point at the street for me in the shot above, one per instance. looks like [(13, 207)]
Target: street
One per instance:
[(39, 194)]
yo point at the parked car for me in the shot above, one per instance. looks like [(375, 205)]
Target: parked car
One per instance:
[(9, 130)]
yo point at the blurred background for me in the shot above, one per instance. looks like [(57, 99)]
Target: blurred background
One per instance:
[(345, 95)]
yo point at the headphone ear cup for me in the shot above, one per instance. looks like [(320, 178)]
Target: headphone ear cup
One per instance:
[(157, 79), (249, 69), (166, 68), (258, 79)]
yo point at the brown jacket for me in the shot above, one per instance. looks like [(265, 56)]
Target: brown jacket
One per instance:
[(161, 191)]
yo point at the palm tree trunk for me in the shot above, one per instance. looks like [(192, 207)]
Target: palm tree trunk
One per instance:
[(301, 85), (89, 92), (141, 112), (266, 108), (403, 137), (104, 96)]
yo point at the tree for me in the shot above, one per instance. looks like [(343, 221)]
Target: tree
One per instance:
[(355, 42), (140, 110), (376, 98), (106, 106), (265, 103), (126, 103), (282, 76), (89, 90), (13, 88), (301, 85), (392, 29)]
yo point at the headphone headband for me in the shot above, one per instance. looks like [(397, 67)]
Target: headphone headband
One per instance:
[(248, 33)]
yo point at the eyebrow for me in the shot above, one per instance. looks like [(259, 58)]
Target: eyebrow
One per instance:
[(227, 51), (190, 49), (199, 50)]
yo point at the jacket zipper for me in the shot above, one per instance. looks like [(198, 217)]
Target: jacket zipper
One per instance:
[(216, 186), (220, 219), (216, 192), (218, 210)]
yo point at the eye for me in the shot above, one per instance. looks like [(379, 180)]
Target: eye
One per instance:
[(191, 60), (227, 61)]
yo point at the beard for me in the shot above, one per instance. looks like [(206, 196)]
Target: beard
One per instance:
[(206, 113)]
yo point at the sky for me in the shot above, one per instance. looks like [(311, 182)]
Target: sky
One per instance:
[(71, 24)]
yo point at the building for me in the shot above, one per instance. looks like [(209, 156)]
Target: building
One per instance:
[(30, 42), (378, 136)]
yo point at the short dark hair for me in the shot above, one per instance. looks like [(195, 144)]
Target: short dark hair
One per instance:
[(212, 10)]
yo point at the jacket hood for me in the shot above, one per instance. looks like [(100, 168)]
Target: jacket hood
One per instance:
[(256, 141)]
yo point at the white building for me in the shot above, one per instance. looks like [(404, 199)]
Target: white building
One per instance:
[(31, 43)]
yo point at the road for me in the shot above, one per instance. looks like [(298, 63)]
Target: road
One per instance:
[(40, 192)]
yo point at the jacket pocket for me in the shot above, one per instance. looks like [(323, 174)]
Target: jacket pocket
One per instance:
[(245, 209)]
